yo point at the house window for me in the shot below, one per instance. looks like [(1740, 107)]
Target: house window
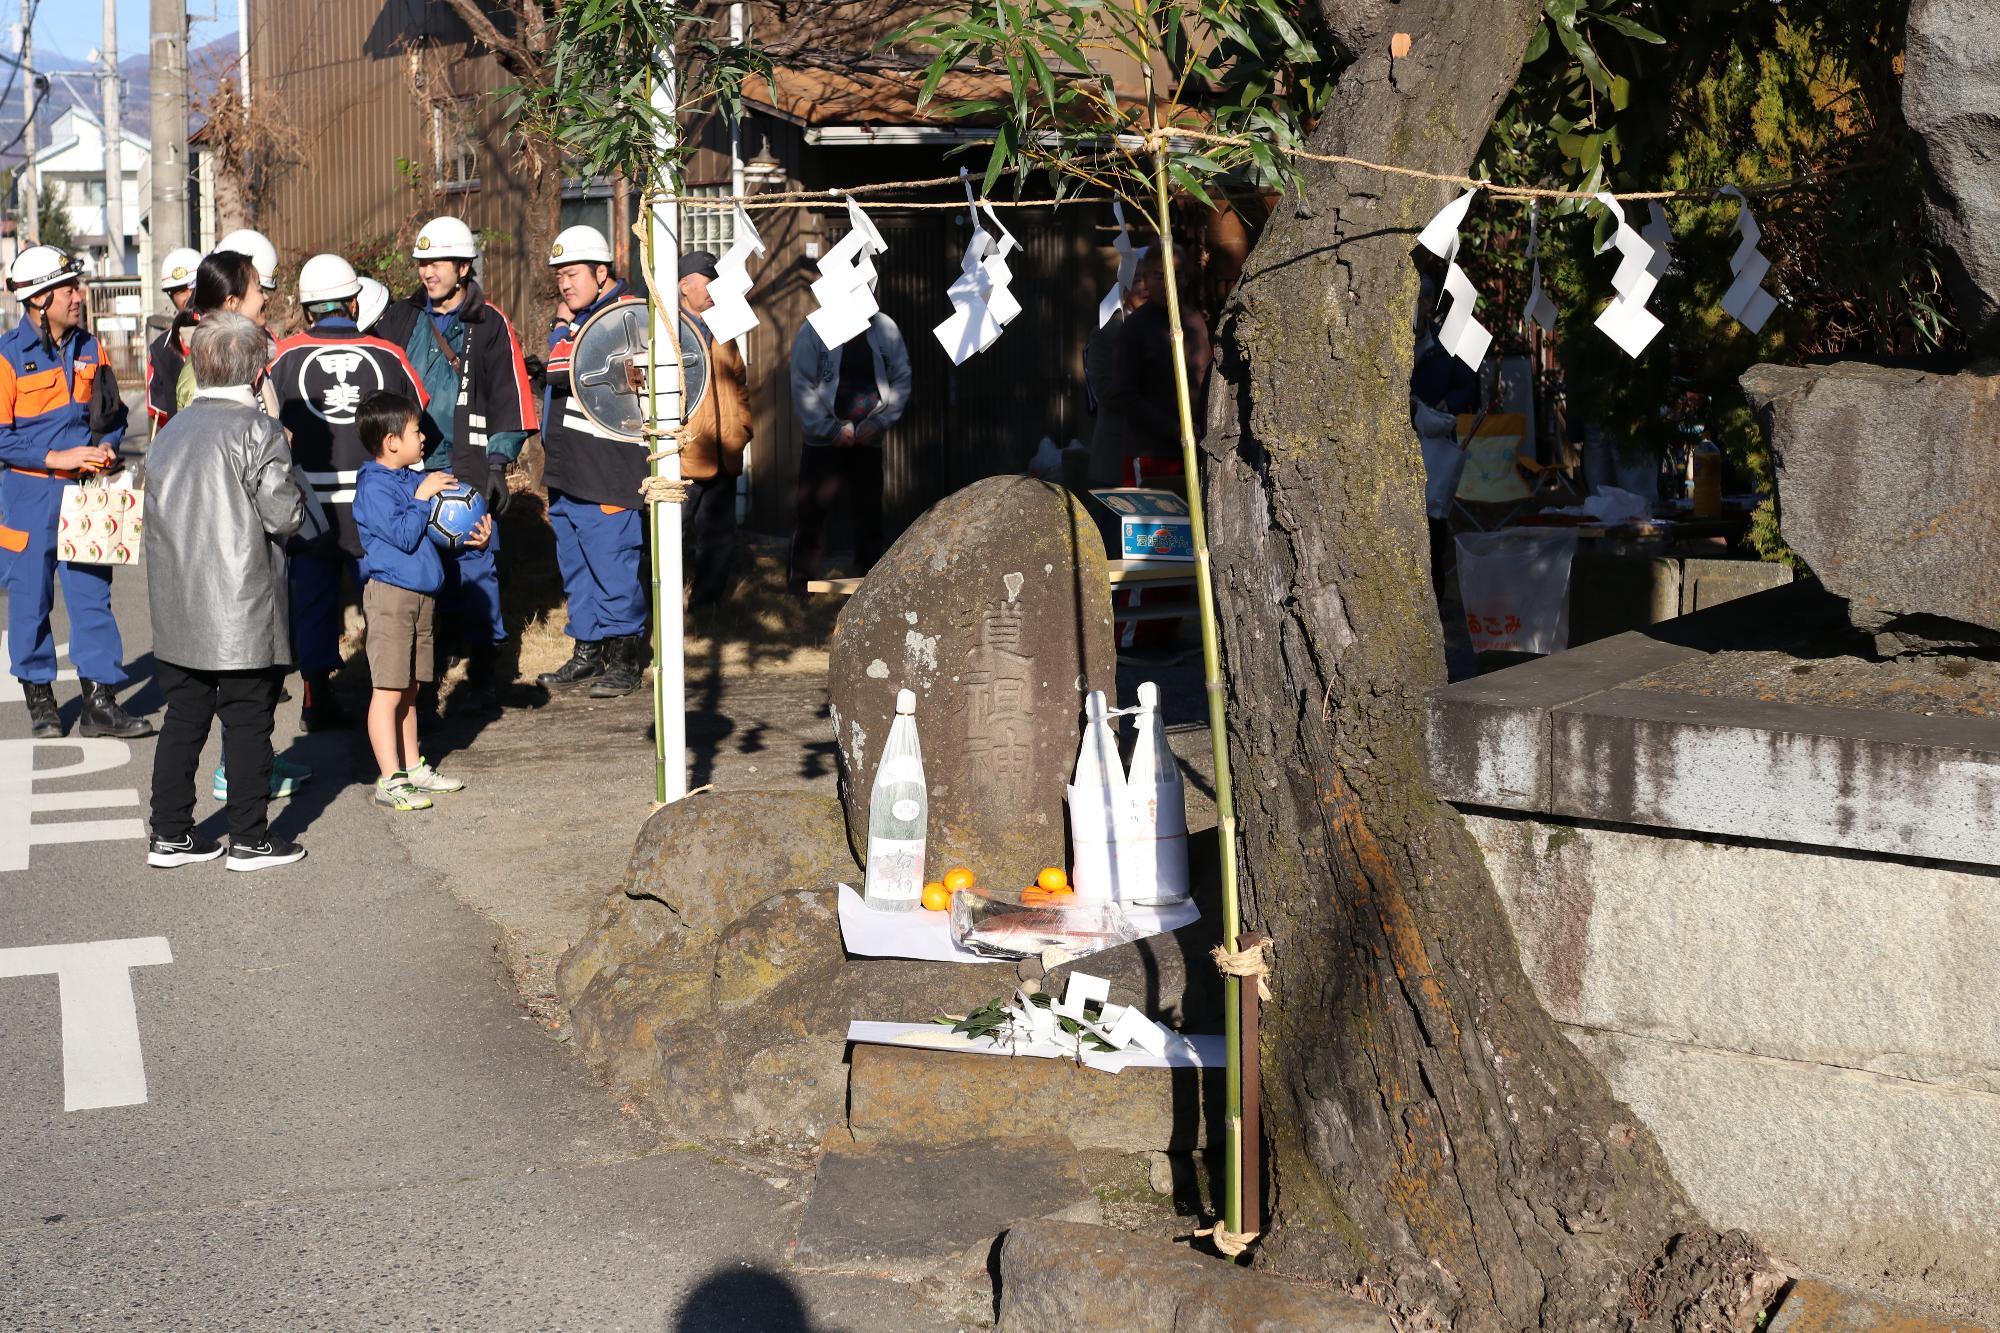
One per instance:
[(87, 193), (453, 144), (710, 229)]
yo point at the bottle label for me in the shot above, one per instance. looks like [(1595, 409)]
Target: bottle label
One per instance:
[(895, 868), (904, 810)]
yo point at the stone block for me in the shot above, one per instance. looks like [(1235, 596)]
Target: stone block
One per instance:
[(1822, 1307), (1058, 1275), (1841, 1171), (1899, 783), (1885, 485), (712, 857), (1951, 83), (995, 609), (1707, 583), (786, 933), (1802, 955), (902, 1094), (907, 1206), (1488, 738)]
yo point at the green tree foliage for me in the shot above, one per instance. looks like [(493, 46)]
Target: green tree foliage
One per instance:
[(1692, 97), (52, 216)]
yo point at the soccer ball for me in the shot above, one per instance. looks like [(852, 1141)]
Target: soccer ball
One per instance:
[(455, 512)]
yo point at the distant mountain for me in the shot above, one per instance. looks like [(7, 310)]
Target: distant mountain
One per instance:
[(206, 64)]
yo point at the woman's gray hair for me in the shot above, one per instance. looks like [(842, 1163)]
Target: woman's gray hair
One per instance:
[(227, 349)]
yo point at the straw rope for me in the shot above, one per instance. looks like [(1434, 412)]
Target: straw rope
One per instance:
[(1251, 962), (1228, 1243)]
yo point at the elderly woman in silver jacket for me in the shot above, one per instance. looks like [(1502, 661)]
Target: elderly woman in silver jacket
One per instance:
[(220, 503)]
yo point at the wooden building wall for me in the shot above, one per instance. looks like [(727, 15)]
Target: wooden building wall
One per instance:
[(342, 69)]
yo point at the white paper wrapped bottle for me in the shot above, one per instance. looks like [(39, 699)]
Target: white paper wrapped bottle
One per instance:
[(1154, 862), (1097, 805), (898, 813)]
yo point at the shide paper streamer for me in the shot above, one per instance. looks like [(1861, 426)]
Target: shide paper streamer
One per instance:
[(846, 288), (1540, 308), (981, 304), (731, 316), (1461, 335), (1128, 268), (1626, 321), (1746, 300)]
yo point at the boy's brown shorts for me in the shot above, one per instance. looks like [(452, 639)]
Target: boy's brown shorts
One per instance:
[(400, 649)]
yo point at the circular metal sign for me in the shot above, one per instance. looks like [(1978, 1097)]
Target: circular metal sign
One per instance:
[(608, 364)]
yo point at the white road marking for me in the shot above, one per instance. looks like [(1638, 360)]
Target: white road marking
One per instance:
[(102, 1064), (19, 801), (10, 689)]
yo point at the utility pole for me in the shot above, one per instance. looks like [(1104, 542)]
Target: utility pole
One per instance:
[(168, 122), (114, 146), (30, 189)]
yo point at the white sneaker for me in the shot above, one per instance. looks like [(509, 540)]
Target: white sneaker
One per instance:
[(425, 778)]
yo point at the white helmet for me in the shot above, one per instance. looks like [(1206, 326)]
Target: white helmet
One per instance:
[(445, 238), (263, 254), (39, 268), (580, 245), (374, 300), (327, 278), (177, 269)]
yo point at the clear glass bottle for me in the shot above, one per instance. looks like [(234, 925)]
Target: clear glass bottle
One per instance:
[(898, 815)]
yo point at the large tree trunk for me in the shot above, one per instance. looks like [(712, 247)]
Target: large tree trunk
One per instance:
[(1429, 1128)]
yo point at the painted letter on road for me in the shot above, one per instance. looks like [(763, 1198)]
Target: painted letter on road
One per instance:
[(19, 801), (102, 1065)]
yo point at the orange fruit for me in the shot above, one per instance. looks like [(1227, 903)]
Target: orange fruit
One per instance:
[(937, 898), (1053, 879), (958, 877)]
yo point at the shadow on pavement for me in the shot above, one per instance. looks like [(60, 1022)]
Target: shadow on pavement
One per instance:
[(746, 1298)]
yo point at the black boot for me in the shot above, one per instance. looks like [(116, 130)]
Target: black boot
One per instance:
[(43, 715), (103, 717), (321, 710), (587, 661), (479, 696), (626, 661)]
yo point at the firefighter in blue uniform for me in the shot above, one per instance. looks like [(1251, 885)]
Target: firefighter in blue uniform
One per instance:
[(481, 412), (164, 354), (50, 367), (593, 481), (320, 377)]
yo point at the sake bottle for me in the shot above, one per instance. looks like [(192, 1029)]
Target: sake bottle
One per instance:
[(1159, 869), (1097, 804), (898, 813)]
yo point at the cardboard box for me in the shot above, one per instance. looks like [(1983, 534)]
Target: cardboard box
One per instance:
[(1152, 525)]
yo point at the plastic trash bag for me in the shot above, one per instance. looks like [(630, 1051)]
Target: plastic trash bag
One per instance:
[(1515, 586)]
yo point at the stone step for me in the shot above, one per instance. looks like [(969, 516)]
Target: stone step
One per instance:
[(901, 1094), (905, 1208), (1819, 1307), (1061, 1275)]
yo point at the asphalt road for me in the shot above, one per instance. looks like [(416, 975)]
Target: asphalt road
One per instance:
[(310, 1098)]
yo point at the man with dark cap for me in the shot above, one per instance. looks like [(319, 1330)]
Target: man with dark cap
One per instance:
[(712, 457)]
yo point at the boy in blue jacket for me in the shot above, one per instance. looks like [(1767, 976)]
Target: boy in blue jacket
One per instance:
[(403, 572)]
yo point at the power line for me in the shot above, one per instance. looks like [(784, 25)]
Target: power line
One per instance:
[(34, 7)]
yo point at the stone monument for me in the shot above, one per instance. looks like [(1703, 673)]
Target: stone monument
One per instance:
[(995, 609), (1886, 484)]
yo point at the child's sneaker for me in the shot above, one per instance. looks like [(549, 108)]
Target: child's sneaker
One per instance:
[(184, 851), (425, 778), (286, 778), (396, 792)]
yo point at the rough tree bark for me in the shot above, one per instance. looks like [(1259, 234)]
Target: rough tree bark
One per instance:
[(1430, 1131)]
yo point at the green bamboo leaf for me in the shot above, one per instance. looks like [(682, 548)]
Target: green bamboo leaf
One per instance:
[(1538, 45), (1187, 181), (1629, 28)]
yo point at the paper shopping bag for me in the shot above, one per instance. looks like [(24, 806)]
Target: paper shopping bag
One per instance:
[(101, 523)]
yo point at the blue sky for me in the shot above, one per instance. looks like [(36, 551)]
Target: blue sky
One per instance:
[(67, 31)]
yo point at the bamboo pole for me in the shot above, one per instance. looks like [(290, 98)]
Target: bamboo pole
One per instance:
[(1211, 660), (663, 520)]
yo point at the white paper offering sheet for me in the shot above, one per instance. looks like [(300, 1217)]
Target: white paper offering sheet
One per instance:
[(1201, 1051), (926, 936)]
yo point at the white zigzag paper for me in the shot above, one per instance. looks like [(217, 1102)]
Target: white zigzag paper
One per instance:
[(731, 316), (1461, 334), (981, 303), (846, 303), (1746, 300), (1128, 268), (1661, 237), (1626, 321), (1539, 308)]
